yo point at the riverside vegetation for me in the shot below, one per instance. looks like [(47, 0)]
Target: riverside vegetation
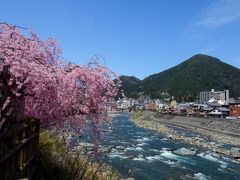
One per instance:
[(59, 162)]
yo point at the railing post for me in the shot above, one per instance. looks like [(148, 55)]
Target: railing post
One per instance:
[(18, 150)]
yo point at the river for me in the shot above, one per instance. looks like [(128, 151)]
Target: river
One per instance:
[(143, 154)]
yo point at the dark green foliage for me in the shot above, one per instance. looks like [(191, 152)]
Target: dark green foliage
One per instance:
[(186, 80), (130, 85)]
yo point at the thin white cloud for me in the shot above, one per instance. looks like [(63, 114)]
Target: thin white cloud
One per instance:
[(220, 13)]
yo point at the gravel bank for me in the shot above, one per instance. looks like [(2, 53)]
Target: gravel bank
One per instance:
[(203, 132)]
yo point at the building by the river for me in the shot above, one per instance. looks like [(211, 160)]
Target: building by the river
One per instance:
[(205, 96)]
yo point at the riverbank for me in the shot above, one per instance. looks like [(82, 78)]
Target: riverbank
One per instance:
[(141, 153), (217, 135), (58, 161)]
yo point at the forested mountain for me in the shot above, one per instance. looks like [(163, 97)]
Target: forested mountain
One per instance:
[(130, 85), (186, 80)]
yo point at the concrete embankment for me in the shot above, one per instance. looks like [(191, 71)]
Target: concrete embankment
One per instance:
[(217, 135)]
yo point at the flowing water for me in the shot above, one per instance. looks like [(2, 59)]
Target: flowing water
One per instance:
[(143, 154)]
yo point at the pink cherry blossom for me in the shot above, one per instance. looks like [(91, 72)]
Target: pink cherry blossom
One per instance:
[(56, 92)]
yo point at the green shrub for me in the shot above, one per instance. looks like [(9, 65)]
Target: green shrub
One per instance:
[(60, 163)]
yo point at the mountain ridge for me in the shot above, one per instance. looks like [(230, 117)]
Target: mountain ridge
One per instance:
[(185, 80)]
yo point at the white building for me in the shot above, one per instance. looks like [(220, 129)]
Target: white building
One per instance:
[(159, 105), (126, 103), (223, 96)]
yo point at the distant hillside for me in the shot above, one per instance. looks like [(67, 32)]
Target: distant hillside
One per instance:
[(131, 85), (184, 81)]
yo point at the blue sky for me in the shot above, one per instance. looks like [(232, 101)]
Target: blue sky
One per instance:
[(134, 37)]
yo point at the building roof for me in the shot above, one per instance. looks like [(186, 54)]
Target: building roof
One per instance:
[(222, 109), (206, 108), (215, 113), (235, 102), (213, 104)]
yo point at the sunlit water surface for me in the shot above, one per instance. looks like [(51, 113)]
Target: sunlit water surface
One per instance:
[(144, 154)]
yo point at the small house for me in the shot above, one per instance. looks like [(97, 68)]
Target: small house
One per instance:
[(234, 109), (219, 112)]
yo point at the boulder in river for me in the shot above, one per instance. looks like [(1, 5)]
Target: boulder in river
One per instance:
[(105, 150), (235, 152), (216, 155), (120, 147), (169, 149), (223, 166), (130, 178), (187, 177), (184, 152), (130, 157)]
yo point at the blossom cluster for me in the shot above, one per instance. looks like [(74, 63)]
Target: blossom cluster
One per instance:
[(56, 92)]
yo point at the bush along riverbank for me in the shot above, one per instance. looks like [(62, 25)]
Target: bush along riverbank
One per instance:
[(195, 131), (58, 162)]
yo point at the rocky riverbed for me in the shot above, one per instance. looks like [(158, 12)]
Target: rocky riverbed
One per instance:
[(141, 153), (220, 144)]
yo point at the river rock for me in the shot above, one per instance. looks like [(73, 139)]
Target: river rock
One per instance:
[(216, 155), (223, 166), (120, 147), (130, 178), (212, 143), (235, 152), (130, 157), (193, 149), (184, 152), (187, 177), (214, 150), (169, 149), (227, 153), (110, 147), (105, 150), (196, 138)]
